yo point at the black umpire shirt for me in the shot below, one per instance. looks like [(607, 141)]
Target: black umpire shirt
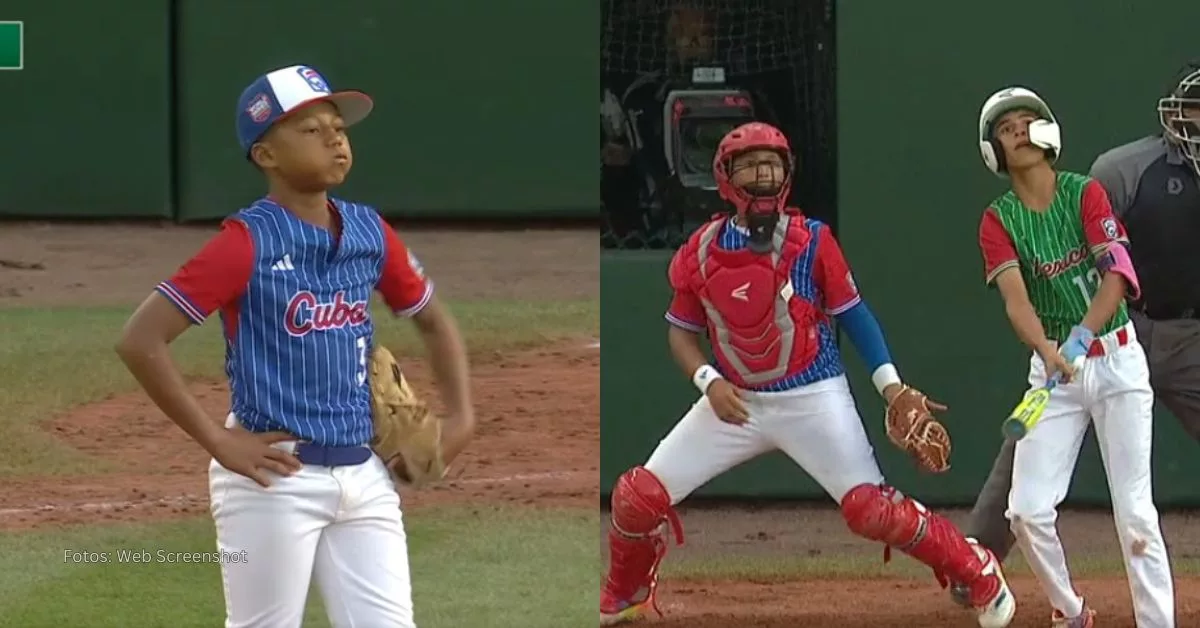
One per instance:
[(1155, 192)]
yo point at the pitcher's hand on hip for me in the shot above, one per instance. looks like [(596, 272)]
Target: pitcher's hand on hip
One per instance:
[(251, 455)]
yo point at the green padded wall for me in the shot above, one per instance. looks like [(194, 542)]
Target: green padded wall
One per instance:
[(482, 109), (86, 122)]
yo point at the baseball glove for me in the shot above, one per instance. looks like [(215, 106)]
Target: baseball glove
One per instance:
[(912, 427), (407, 436)]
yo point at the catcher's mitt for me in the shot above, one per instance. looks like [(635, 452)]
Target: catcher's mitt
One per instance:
[(407, 436), (912, 427)]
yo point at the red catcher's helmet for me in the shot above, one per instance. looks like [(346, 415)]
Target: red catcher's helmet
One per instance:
[(748, 137)]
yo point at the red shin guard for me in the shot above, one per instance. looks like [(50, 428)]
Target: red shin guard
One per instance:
[(641, 509), (880, 513)]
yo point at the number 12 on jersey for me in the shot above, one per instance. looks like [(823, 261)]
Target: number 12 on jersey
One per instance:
[(1089, 284)]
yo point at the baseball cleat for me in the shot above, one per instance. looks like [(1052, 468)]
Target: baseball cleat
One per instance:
[(1086, 619), (961, 594), (997, 606), (614, 611)]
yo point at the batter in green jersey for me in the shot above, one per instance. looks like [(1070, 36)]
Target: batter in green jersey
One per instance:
[(1059, 268), (1058, 257)]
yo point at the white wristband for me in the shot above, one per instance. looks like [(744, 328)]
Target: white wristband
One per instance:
[(885, 376), (704, 377)]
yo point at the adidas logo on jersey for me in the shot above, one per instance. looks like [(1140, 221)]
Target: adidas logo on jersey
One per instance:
[(306, 314), (283, 264)]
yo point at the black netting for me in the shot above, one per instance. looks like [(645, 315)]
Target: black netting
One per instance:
[(779, 51), (743, 36)]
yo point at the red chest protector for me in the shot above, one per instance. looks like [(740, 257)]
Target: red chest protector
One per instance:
[(760, 328)]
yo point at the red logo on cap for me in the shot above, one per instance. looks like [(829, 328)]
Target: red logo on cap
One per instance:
[(260, 108)]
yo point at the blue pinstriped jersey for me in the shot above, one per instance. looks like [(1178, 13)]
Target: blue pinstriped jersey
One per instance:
[(298, 360), (828, 361)]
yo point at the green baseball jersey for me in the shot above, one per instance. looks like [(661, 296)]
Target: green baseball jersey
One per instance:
[(1054, 250)]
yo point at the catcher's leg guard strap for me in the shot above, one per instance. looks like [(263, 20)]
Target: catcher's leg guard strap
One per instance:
[(641, 508), (641, 504), (881, 513)]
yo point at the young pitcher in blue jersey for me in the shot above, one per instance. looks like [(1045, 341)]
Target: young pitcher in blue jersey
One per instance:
[(293, 481)]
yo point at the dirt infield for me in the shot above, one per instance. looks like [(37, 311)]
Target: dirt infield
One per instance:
[(71, 264), (902, 602), (539, 436), (882, 602)]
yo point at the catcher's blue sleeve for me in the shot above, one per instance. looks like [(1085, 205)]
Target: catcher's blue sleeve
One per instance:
[(866, 335)]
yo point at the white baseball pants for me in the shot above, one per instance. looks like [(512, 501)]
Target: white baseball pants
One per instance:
[(340, 524), (1112, 392), (816, 425)]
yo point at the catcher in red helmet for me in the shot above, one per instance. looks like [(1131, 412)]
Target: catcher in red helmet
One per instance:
[(753, 167), (765, 283)]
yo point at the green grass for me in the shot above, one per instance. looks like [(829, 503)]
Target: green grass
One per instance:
[(853, 566), (472, 568), (54, 359)]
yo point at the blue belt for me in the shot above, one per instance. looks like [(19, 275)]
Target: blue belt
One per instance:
[(329, 456)]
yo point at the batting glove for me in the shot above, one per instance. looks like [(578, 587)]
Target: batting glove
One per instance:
[(1075, 349)]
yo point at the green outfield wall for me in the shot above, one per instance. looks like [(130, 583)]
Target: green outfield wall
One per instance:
[(86, 122), (911, 79), (483, 110)]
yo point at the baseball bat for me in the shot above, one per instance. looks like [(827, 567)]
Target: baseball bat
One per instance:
[(1029, 411)]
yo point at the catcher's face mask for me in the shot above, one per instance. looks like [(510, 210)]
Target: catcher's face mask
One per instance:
[(760, 173), (1180, 115), (761, 176)]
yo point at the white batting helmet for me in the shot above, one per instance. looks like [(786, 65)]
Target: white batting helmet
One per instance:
[(1043, 132)]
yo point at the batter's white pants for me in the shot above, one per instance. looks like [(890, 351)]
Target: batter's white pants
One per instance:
[(816, 425), (1112, 392), (340, 524)]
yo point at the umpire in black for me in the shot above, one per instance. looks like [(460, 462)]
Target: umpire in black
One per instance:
[(1154, 186)]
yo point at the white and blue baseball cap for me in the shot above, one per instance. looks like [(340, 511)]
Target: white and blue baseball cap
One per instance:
[(275, 95)]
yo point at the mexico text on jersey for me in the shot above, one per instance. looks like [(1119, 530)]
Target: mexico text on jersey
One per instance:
[(1054, 250)]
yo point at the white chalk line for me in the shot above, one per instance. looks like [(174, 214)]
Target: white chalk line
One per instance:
[(594, 345), (185, 499)]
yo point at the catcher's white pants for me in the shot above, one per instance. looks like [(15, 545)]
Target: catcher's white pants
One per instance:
[(340, 524), (816, 425), (1113, 393)]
